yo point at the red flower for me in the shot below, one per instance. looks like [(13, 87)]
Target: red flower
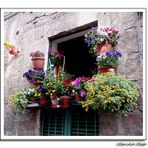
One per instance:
[(67, 82)]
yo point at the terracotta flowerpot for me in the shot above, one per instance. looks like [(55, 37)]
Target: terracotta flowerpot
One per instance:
[(43, 101), (103, 47), (78, 97), (38, 62), (65, 102), (107, 69)]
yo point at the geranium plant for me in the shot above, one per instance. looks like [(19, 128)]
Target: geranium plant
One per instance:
[(110, 93), (105, 35), (55, 56), (37, 54), (108, 59)]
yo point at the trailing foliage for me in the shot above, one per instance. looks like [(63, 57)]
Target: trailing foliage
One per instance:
[(18, 102), (110, 93)]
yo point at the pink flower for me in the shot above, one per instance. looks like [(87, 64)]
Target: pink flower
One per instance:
[(76, 82), (89, 78), (60, 55), (109, 32), (50, 50), (37, 53), (115, 30), (106, 29), (83, 78)]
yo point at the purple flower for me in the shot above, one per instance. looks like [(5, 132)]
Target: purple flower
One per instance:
[(94, 28), (108, 54), (28, 74), (76, 82), (82, 93), (117, 54), (43, 90), (34, 75), (50, 50), (92, 39)]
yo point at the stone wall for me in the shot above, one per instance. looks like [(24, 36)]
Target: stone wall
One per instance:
[(30, 30)]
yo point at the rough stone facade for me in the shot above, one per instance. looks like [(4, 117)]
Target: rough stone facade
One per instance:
[(30, 30)]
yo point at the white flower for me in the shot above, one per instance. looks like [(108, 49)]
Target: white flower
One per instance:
[(98, 57), (104, 56), (101, 55), (103, 33), (101, 40)]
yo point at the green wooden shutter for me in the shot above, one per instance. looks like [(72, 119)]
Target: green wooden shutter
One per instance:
[(74, 122), (53, 123), (84, 123)]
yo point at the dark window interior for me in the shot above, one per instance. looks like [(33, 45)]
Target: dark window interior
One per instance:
[(78, 60)]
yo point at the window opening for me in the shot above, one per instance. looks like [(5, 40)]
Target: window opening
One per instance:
[(78, 61)]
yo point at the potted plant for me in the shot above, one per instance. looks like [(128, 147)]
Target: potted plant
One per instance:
[(101, 40), (108, 62), (78, 88), (110, 93), (55, 89), (18, 102), (33, 95), (35, 76), (58, 89), (56, 60), (37, 59), (44, 97), (55, 56), (62, 94)]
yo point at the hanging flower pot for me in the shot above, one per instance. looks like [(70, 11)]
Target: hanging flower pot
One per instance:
[(107, 69), (65, 102), (103, 47)]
